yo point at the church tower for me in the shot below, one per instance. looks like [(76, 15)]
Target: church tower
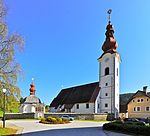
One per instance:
[(109, 73)]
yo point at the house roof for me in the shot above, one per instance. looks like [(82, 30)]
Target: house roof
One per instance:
[(78, 94), (139, 94)]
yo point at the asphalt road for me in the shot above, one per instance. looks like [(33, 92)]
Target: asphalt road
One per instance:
[(75, 128)]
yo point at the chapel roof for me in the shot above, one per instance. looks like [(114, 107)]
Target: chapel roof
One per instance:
[(32, 99)]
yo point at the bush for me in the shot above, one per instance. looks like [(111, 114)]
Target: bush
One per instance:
[(128, 128), (52, 120), (59, 119)]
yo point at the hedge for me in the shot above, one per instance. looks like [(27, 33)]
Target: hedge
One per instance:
[(128, 128)]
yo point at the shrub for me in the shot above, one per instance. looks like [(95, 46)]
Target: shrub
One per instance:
[(128, 128), (43, 119), (52, 120), (59, 119)]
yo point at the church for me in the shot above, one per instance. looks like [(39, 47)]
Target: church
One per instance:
[(32, 104), (97, 97)]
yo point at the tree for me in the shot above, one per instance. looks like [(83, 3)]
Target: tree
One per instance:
[(9, 68)]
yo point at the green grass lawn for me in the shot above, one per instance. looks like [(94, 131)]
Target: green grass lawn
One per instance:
[(7, 131)]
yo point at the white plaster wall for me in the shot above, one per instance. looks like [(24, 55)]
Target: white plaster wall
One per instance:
[(112, 89), (97, 101), (83, 109)]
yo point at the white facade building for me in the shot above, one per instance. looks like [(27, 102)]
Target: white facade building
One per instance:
[(32, 104)]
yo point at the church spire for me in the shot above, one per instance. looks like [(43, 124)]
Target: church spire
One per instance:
[(109, 17), (32, 88), (110, 44)]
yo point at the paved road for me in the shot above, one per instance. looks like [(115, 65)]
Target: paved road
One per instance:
[(75, 128)]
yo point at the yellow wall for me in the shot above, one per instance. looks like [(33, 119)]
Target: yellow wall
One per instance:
[(134, 103)]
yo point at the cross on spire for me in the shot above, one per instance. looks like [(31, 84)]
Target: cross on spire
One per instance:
[(109, 15)]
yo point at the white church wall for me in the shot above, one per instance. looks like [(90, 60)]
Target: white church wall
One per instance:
[(82, 108), (109, 84), (97, 104)]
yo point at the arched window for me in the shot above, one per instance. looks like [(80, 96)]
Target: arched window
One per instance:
[(107, 71)]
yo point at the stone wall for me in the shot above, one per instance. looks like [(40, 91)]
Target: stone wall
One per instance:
[(20, 115), (76, 116), (79, 116)]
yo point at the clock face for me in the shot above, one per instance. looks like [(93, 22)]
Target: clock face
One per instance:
[(107, 59)]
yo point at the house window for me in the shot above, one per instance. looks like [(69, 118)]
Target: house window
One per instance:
[(147, 100), (147, 109), (138, 100), (98, 106), (106, 104), (138, 108), (107, 71), (142, 100), (106, 84), (77, 106), (134, 109), (106, 94), (133, 100), (87, 105)]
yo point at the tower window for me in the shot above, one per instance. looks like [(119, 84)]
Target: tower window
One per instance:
[(106, 104), (106, 84), (117, 71), (107, 71), (106, 94)]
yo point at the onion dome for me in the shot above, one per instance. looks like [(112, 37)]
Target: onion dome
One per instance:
[(110, 43), (32, 89)]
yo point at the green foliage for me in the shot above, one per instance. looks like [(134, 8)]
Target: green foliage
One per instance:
[(46, 108), (128, 128), (9, 68), (1, 114), (59, 119)]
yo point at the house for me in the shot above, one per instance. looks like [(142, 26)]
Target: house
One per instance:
[(32, 104), (99, 97), (139, 104)]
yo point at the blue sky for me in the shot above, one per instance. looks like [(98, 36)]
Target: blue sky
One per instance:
[(63, 40)]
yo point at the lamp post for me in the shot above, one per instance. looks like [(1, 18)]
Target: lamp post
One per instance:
[(4, 92)]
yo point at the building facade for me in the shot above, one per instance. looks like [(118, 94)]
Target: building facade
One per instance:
[(32, 104), (139, 105)]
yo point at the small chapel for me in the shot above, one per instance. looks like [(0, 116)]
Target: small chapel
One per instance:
[(97, 97), (32, 104)]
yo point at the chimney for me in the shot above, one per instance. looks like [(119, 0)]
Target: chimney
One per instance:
[(145, 89)]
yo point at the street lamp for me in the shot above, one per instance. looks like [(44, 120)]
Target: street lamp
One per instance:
[(4, 92)]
